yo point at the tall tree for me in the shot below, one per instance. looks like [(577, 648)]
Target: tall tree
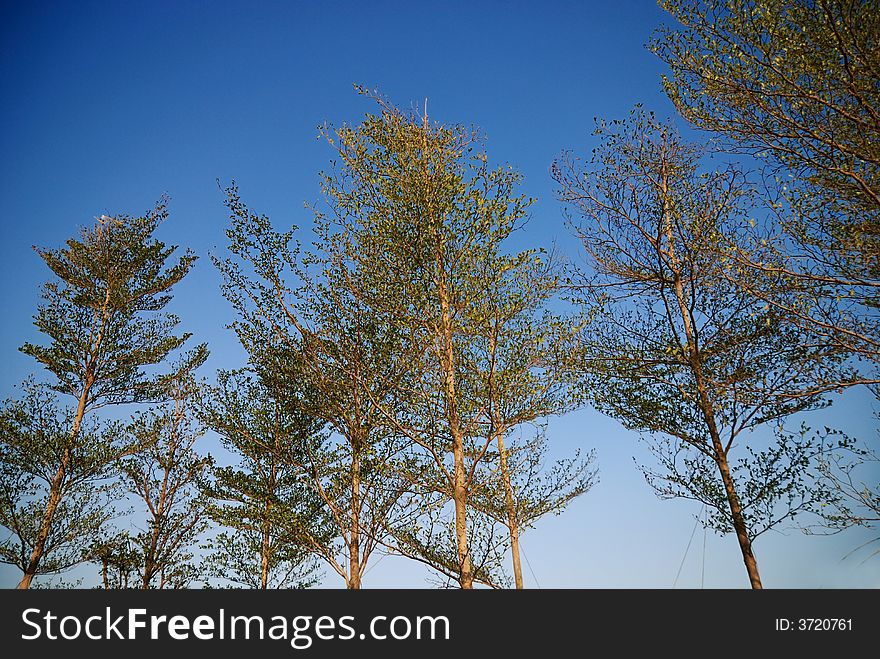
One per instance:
[(517, 365), (167, 478), (104, 323), (264, 498), (330, 359), (34, 434), (796, 84), (677, 349), (418, 209)]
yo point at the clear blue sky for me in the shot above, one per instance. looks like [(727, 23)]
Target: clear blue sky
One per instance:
[(106, 106)]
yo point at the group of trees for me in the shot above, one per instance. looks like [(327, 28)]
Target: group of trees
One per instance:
[(403, 365), (425, 353)]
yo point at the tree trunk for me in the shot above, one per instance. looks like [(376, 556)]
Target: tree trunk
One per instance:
[(354, 545), (739, 523), (58, 481), (264, 557), (150, 567), (459, 496), (151, 563), (266, 546), (459, 485), (55, 492), (447, 365), (512, 523), (705, 404), (510, 508)]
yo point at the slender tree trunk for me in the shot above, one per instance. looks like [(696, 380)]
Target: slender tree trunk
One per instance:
[(354, 546), (55, 493), (510, 508), (264, 556), (447, 365), (150, 564), (739, 523), (705, 404), (459, 495), (55, 489), (459, 485), (512, 522), (266, 544)]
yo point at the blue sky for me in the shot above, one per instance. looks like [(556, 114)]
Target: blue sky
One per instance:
[(108, 105)]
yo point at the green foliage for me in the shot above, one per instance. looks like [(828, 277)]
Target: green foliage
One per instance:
[(277, 520), (778, 482), (103, 317), (431, 540), (34, 433), (166, 477), (516, 355), (415, 230), (235, 557), (796, 78), (418, 210), (539, 487), (678, 349), (796, 84), (103, 313), (515, 368), (326, 358), (120, 560), (77, 519), (757, 368)]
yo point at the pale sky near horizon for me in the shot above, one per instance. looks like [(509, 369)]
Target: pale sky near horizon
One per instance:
[(106, 106)]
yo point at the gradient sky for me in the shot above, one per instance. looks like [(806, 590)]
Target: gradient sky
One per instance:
[(104, 107)]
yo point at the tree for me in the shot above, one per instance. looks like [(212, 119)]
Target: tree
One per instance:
[(514, 368), (678, 350), (265, 499), (34, 436), (166, 477), (104, 323), (517, 366), (327, 358), (797, 84), (418, 209)]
